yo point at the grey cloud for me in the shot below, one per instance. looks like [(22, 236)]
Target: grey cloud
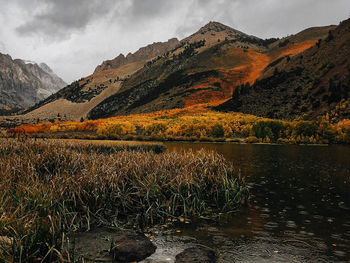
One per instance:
[(200, 12), (141, 13), (3, 48), (58, 19), (150, 8), (263, 18), (41, 30)]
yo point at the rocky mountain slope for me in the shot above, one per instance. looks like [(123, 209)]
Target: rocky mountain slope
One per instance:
[(144, 53), (23, 83), (51, 82), (313, 83), (203, 68)]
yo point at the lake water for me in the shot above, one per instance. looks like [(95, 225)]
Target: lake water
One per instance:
[(299, 210)]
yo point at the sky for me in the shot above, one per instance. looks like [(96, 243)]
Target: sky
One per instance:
[(74, 36)]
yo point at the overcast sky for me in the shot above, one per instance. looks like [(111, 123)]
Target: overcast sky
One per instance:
[(74, 36)]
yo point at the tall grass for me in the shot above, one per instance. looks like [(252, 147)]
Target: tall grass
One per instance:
[(50, 189)]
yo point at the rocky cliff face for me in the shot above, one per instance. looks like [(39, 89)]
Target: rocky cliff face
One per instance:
[(144, 53), (23, 84), (51, 82)]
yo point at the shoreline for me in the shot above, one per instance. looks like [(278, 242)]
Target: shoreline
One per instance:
[(237, 140)]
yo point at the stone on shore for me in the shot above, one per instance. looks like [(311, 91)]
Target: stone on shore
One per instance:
[(196, 254), (132, 246)]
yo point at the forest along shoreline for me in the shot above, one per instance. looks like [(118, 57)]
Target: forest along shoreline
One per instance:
[(193, 125), (53, 190)]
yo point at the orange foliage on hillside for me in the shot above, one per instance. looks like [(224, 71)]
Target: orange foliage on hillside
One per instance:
[(208, 91), (291, 50), (251, 66), (258, 63)]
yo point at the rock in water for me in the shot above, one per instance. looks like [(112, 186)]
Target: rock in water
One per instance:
[(132, 246), (196, 254)]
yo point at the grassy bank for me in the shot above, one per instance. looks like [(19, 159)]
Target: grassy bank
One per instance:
[(49, 189), (196, 124)]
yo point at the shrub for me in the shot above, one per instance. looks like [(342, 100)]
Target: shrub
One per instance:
[(155, 129), (283, 141), (217, 131), (251, 139), (305, 128), (116, 130), (271, 129)]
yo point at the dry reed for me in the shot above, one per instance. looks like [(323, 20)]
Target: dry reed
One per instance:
[(49, 189)]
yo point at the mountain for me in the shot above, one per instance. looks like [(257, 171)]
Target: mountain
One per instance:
[(314, 83), (203, 68), (51, 82), (24, 83)]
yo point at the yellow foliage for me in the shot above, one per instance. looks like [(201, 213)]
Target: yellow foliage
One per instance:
[(251, 139), (115, 130), (199, 123)]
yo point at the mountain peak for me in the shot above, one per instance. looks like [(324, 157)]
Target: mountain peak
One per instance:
[(218, 27), (215, 25), (46, 68)]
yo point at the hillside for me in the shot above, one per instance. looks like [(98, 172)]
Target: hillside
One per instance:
[(203, 68), (313, 83), (144, 53), (23, 84)]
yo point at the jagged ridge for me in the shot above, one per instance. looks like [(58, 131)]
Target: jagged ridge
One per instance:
[(23, 84), (144, 53)]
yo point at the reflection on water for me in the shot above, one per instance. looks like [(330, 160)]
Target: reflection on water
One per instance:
[(299, 209)]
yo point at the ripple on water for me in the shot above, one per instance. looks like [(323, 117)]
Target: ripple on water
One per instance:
[(271, 225), (271, 250), (212, 229), (291, 224), (264, 215), (302, 212), (318, 217), (265, 210), (330, 220), (339, 253), (219, 239), (337, 237)]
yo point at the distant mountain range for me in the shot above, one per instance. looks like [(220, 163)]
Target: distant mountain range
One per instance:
[(306, 74), (24, 83)]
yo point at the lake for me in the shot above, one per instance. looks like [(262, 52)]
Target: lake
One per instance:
[(299, 210)]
